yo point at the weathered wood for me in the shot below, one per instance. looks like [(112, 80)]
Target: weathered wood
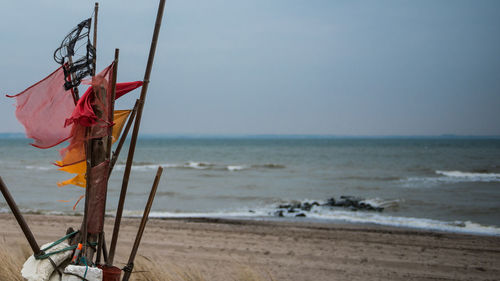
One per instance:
[(91, 146), (96, 12), (135, 133), (142, 226)]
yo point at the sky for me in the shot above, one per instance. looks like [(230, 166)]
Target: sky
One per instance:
[(375, 68)]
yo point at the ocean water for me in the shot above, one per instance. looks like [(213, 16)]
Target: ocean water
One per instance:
[(450, 184)]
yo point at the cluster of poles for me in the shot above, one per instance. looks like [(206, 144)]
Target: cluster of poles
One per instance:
[(97, 151)]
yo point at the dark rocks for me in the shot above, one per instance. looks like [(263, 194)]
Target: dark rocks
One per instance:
[(300, 209), (352, 203)]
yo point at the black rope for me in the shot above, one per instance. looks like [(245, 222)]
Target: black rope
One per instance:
[(74, 274)]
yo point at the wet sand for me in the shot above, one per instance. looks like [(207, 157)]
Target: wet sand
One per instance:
[(218, 248)]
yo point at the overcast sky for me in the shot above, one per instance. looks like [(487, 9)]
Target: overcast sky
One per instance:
[(280, 67)]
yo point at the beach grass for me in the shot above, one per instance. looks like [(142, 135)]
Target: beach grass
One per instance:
[(11, 261), (12, 258)]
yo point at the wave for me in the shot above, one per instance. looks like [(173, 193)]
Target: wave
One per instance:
[(269, 166), (323, 215), (146, 166), (450, 177), (41, 168), (236, 168), (317, 214), (382, 203), (467, 176), (368, 178)]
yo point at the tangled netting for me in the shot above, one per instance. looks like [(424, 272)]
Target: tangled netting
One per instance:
[(82, 62)]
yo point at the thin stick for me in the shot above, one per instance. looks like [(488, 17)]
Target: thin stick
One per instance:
[(88, 153), (96, 11), (111, 106), (144, 220), (20, 219), (137, 124), (116, 153), (99, 248), (89, 145), (104, 249)]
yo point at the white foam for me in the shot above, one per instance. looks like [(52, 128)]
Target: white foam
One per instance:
[(198, 165), (381, 203), (41, 168), (326, 214), (142, 168), (236, 168), (465, 176), (419, 223), (450, 177)]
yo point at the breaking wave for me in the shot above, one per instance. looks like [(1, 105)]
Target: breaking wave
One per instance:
[(41, 168), (450, 177), (465, 176), (146, 166), (339, 216)]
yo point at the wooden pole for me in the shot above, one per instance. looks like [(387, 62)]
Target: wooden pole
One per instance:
[(130, 265), (111, 107), (88, 146), (96, 12), (137, 124), (19, 217), (116, 153)]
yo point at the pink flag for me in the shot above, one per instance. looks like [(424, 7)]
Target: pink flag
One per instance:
[(43, 109)]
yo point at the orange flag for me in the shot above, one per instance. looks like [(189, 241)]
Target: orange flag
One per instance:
[(80, 168)]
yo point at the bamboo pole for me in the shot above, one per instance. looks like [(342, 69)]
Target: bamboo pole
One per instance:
[(137, 124), (111, 107), (19, 217), (116, 153), (130, 264), (88, 149), (96, 12)]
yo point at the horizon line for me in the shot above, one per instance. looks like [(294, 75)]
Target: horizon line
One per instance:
[(264, 135)]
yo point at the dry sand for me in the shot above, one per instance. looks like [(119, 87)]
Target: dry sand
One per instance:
[(219, 249)]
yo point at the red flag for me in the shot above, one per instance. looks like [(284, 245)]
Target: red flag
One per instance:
[(43, 109), (83, 113), (125, 87)]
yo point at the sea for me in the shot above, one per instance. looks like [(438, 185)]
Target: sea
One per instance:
[(447, 184)]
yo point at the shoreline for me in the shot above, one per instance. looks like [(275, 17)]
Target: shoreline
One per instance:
[(289, 250), (457, 227)]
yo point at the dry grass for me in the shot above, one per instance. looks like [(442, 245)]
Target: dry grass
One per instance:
[(149, 270), (11, 262)]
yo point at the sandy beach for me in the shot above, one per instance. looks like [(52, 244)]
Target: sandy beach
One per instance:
[(221, 249)]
